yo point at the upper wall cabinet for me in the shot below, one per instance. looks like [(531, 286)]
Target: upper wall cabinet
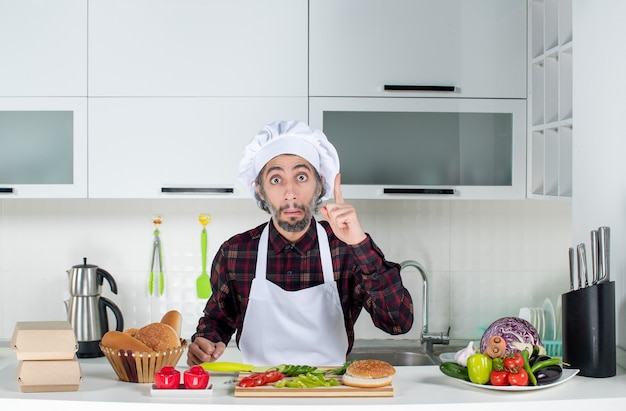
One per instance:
[(198, 48), (43, 45), (447, 48), (176, 147), (43, 147)]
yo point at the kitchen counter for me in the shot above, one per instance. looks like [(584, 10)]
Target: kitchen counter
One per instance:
[(423, 387)]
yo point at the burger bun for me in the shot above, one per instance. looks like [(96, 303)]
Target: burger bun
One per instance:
[(368, 374)]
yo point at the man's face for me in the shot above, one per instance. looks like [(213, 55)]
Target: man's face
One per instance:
[(290, 190)]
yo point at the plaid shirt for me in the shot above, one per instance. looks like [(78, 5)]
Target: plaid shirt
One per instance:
[(364, 279)]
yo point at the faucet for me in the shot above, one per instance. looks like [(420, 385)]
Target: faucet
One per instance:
[(427, 339)]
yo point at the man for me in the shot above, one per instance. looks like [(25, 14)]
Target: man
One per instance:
[(293, 288)]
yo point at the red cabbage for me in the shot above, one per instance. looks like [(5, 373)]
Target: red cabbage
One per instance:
[(514, 331)]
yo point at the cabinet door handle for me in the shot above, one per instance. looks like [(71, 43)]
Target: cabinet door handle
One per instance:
[(198, 190), (6, 190), (445, 191), (401, 87)]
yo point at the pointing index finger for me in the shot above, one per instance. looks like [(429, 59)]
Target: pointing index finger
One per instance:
[(338, 194)]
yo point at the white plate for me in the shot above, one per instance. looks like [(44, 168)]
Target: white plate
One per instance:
[(568, 374), (181, 392), (550, 319), (447, 356)]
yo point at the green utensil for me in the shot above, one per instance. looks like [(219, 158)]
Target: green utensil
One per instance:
[(203, 282)]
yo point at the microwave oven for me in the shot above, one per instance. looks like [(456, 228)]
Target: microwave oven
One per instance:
[(417, 148)]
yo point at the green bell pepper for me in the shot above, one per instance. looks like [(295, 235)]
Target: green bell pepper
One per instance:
[(479, 368)]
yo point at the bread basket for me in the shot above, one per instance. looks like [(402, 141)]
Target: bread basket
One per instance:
[(141, 366)]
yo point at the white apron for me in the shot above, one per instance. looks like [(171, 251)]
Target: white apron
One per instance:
[(294, 327)]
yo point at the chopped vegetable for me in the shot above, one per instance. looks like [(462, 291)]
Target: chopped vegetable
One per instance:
[(308, 380), (341, 370)]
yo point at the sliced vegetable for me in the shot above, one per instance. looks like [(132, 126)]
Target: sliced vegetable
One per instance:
[(341, 370), (454, 370), (496, 347), (294, 370), (479, 368), (309, 380)]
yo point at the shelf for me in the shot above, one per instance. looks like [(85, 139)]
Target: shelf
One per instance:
[(550, 98)]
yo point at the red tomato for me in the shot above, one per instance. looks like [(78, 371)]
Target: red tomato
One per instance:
[(519, 378), (499, 378), (514, 363), (167, 378), (196, 378), (273, 376)]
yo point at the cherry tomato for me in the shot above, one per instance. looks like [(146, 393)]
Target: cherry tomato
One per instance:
[(273, 376), (519, 378), (499, 378), (514, 363), (167, 378), (196, 378)]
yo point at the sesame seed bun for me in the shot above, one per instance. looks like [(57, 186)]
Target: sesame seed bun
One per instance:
[(368, 374)]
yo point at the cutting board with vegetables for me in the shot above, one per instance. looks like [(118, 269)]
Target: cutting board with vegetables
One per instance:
[(339, 390)]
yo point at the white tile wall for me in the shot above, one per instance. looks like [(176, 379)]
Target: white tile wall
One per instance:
[(485, 259)]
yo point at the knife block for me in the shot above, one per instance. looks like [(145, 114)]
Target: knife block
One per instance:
[(588, 321)]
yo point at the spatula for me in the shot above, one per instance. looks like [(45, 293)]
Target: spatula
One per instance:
[(203, 282)]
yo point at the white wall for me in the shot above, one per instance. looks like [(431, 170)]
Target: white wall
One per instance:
[(599, 136), (485, 259)]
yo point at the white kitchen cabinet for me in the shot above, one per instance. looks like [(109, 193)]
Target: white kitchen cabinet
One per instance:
[(477, 48), (176, 147), (550, 99), (43, 145), (198, 48), (43, 45), (426, 148)]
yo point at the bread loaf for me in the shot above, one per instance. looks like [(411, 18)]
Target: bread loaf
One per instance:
[(119, 340), (130, 331), (174, 319), (158, 336)]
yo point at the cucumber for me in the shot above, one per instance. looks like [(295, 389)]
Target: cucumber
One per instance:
[(454, 370)]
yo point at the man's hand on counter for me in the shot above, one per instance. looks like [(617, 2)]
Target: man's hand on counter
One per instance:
[(203, 350)]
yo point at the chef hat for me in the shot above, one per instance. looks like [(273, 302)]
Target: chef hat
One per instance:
[(289, 137)]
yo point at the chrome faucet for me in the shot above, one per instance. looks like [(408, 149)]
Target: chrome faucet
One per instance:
[(427, 339)]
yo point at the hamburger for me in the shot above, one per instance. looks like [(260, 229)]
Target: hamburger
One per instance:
[(368, 374)]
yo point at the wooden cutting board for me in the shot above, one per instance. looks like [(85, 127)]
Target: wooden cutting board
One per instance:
[(318, 392)]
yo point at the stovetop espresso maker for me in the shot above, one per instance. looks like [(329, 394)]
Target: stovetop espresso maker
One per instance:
[(87, 309)]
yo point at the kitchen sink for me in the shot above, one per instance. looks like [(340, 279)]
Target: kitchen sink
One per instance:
[(401, 352), (394, 357)]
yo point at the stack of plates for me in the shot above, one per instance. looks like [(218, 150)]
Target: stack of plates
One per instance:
[(542, 318)]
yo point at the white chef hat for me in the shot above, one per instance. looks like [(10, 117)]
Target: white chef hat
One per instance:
[(289, 137)]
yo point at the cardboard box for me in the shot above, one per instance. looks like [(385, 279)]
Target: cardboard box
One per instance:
[(44, 340), (49, 375)]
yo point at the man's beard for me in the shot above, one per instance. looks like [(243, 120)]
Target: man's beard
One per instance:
[(291, 225)]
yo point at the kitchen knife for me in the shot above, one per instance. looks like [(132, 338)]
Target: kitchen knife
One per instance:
[(604, 234), (582, 265), (572, 264), (594, 256)]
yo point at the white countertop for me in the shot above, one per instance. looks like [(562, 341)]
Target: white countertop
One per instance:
[(423, 387)]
